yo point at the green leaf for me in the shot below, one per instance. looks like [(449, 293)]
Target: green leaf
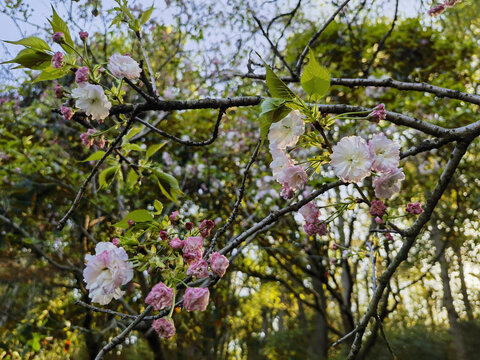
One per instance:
[(315, 79), (146, 15), (273, 110), (31, 42), (132, 147), (32, 59), (50, 73), (158, 206), (136, 216), (132, 178), (95, 156), (58, 25), (131, 133), (152, 149), (107, 176), (168, 185), (277, 88)]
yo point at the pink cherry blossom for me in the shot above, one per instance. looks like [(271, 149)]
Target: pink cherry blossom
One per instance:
[(196, 299), (281, 160), (106, 271), (176, 244), (192, 249), (164, 328), (124, 66), (218, 264), (160, 296), (294, 177), (388, 183), (286, 132), (310, 212), (384, 152), (198, 269), (351, 159)]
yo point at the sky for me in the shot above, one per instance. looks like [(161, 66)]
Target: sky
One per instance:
[(41, 10)]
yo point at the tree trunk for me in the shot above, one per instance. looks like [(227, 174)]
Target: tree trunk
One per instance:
[(319, 345), (466, 301), (455, 329), (154, 343)]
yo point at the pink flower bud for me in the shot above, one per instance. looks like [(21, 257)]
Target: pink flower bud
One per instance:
[(81, 75), (378, 208), (83, 35), (196, 299), (174, 215), (66, 112), (58, 60), (436, 10), (379, 220), (163, 235), (130, 222), (164, 328), (414, 209), (160, 296), (334, 246), (378, 113), (59, 37), (218, 264), (389, 236), (58, 91), (189, 226), (115, 241)]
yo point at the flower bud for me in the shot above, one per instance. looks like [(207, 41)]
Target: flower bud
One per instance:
[(59, 37)]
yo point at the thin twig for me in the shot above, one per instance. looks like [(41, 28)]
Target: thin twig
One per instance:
[(119, 338), (304, 53), (240, 194), (214, 136), (80, 193)]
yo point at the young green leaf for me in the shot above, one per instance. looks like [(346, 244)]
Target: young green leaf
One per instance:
[(315, 79), (158, 206), (95, 156), (152, 149), (107, 176), (31, 42), (58, 25), (277, 88), (136, 216), (146, 16), (50, 73), (32, 59), (168, 185)]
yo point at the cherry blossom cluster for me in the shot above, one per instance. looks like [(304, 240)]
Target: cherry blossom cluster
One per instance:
[(110, 268), (282, 134), (353, 160)]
